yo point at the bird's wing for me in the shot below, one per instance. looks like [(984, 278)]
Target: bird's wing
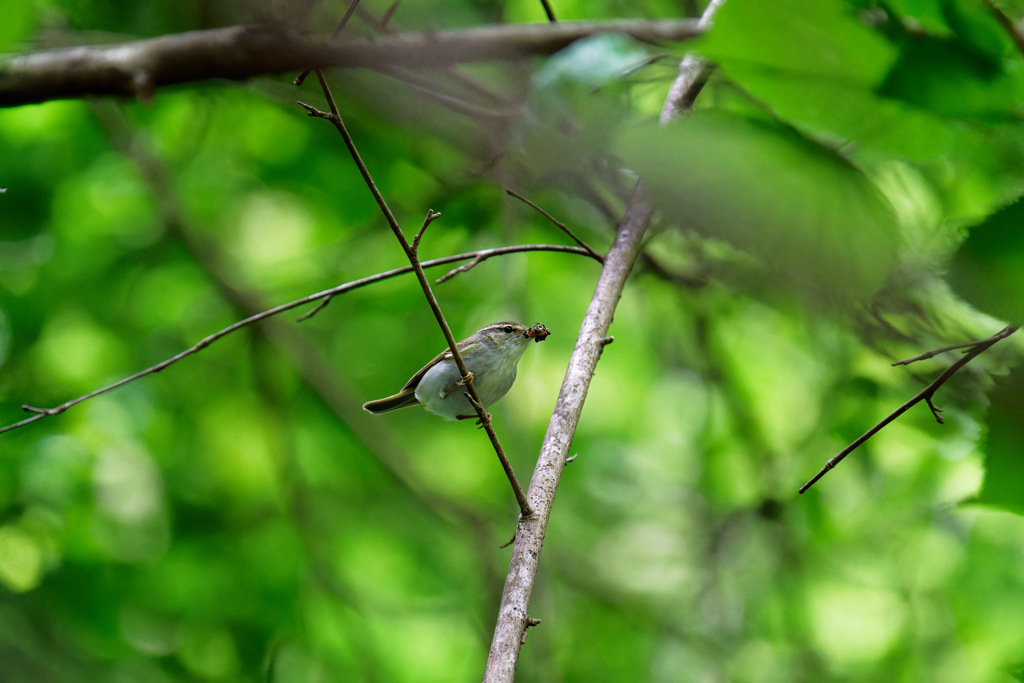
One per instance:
[(415, 379)]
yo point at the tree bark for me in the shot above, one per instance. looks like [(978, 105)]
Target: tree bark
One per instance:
[(137, 69)]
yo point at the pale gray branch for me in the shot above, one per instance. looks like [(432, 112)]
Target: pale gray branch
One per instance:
[(513, 617), (512, 614)]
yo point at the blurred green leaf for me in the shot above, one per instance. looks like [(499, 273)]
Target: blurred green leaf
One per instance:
[(806, 213), (1004, 467), (987, 270), (592, 62), (976, 25), (822, 40), (946, 77), (18, 22)]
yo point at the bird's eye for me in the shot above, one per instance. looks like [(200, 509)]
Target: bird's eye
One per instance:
[(508, 329)]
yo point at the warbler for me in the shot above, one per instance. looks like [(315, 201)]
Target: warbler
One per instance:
[(491, 355)]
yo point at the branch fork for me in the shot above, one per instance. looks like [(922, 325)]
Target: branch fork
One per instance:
[(974, 349)]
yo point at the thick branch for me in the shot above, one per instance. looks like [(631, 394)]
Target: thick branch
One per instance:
[(513, 618), (240, 52), (512, 615)]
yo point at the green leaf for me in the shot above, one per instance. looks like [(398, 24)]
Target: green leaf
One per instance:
[(987, 269), (801, 209), (17, 25), (947, 77), (817, 66), (1004, 467), (814, 39), (977, 27)]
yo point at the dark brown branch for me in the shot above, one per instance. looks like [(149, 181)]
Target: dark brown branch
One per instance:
[(548, 11), (138, 68), (925, 394), (944, 349), (41, 413), (414, 261), (1007, 23)]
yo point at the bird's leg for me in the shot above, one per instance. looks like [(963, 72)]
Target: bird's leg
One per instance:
[(461, 383)]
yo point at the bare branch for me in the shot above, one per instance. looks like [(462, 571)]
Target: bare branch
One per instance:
[(548, 11), (137, 69), (932, 354), (414, 261), (430, 218), (513, 618), (693, 74), (557, 223), (925, 394), (325, 295)]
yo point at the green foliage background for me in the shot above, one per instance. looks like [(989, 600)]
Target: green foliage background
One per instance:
[(238, 517)]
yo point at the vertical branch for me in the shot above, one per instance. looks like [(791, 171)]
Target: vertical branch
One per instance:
[(513, 617), (693, 74)]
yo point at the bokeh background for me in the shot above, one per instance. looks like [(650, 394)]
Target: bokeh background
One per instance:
[(842, 198)]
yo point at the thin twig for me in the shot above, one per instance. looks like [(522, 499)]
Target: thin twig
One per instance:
[(455, 271), (932, 354), (316, 309), (1007, 23), (418, 82), (301, 78), (925, 394), (548, 11), (467, 377), (558, 223), (388, 13), (325, 295), (431, 217)]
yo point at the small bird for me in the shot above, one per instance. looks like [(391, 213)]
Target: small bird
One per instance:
[(491, 355)]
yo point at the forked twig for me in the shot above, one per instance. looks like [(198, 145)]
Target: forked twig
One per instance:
[(926, 394), (431, 217)]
